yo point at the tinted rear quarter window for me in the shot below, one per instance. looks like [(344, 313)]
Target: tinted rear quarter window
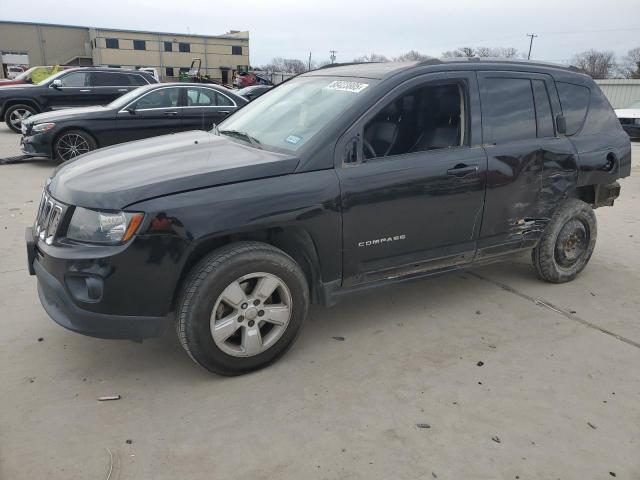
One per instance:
[(137, 80), (508, 110), (109, 79), (575, 102), (544, 116)]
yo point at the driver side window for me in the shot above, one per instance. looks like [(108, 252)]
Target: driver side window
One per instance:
[(429, 117), (161, 98)]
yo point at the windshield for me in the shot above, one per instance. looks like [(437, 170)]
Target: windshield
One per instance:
[(289, 116)]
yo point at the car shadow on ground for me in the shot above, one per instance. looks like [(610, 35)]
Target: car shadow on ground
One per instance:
[(419, 304)]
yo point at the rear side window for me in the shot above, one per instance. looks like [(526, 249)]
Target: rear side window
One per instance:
[(109, 79), (575, 102), (508, 110), (544, 117)]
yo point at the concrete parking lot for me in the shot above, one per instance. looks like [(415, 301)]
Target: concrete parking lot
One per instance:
[(508, 377)]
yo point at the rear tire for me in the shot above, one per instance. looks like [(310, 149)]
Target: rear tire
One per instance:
[(72, 143), (567, 243), (16, 113), (254, 324)]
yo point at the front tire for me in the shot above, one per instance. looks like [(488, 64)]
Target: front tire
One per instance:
[(15, 114), (567, 243), (241, 308), (71, 143)]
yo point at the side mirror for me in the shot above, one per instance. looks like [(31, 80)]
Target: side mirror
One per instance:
[(561, 124), (131, 109), (57, 84)]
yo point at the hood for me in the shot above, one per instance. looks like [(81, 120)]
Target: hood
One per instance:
[(628, 112), (4, 82), (119, 176), (13, 88), (65, 114)]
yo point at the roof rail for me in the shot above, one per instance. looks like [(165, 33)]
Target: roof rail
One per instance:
[(331, 65)]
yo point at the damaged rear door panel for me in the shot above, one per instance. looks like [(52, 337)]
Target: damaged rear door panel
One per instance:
[(530, 166)]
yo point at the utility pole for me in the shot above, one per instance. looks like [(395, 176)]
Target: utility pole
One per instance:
[(309, 61), (333, 55), (532, 35)]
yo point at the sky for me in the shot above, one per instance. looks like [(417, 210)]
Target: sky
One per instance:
[(292, 29)]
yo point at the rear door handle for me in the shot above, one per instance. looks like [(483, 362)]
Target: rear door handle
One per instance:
[(123, 90), (171, 114), (85, 89), (223, 111), (462, 169)]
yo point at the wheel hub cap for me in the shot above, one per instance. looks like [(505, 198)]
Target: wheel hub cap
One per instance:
[(251, 314), (572, 243)]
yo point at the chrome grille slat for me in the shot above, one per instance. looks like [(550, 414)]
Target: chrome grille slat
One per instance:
[(48, 218)]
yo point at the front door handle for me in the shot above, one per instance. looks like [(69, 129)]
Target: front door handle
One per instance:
[(85, 90), (171, 114), (123, 90), (462, 169), (223, 111)]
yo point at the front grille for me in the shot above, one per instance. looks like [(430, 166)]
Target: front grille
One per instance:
[(50, 213)]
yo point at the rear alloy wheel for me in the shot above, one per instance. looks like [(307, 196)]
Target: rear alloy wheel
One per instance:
[(72, 143), (14, 116), (241, 307)]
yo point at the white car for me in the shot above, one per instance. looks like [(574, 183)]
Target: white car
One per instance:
[(630, 119), (13, 72)]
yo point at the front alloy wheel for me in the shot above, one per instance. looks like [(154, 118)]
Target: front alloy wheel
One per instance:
[(241, 307), (16, 114), (72, 143), (251, 314)]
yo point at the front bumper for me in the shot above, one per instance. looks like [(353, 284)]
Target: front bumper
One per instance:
[(38, 145), (119, 307)]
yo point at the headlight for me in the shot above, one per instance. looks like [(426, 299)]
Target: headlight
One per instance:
[(103, 227), (43, 127)]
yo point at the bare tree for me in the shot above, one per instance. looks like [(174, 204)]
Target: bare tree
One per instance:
[(630, 67), (286, 65), (460, 52), (411, 56), (595, 63), (503, 52), (371, 57)]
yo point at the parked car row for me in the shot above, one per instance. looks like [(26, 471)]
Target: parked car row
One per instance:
[(148, 111), (337, 181), (81, 109)]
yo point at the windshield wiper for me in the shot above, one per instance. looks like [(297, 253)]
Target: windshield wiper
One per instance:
[(244, 135)]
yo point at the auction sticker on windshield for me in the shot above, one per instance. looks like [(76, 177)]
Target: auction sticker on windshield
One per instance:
[(342, 85)]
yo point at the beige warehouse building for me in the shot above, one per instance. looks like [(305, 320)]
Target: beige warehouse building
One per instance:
[(169, 53)]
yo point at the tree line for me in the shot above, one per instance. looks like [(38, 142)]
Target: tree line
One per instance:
[(598, 64)]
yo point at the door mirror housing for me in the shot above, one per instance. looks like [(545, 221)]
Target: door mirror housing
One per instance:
[(561, 124), (131, 109), (57, 84)]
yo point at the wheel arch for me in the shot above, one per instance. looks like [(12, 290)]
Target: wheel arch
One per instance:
[(296, 242), (20, 101)]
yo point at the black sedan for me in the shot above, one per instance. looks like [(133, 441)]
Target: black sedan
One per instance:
[(145, 112)]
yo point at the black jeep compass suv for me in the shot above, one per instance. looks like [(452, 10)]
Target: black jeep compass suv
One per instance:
[(341, 179)]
